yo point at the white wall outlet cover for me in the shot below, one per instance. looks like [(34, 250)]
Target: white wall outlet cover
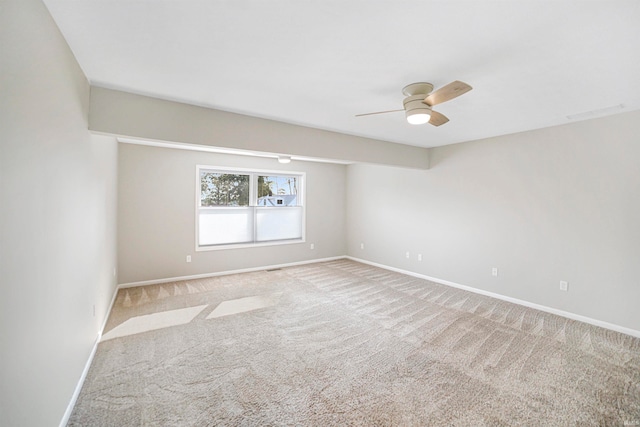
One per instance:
[(188, 258), (494, 271), (564, 286), (361, 245), (312, 246)]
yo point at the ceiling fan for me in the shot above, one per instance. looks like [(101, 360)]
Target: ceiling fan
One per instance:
[(420, 98)]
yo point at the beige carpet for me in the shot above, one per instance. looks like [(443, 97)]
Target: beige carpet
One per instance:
[(342, 343)]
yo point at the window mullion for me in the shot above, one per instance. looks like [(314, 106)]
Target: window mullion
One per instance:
[(253, 202)]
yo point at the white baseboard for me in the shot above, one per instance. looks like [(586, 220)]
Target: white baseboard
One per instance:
[(76, 392), (569, 315), (106, 318), (225, 273), (85, 371)]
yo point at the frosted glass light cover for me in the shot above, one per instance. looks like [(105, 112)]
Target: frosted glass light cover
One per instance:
[(418, 118)]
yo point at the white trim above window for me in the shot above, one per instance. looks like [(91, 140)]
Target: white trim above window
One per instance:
[(238, 208)]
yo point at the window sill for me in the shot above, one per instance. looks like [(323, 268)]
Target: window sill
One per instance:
[(249, 245)]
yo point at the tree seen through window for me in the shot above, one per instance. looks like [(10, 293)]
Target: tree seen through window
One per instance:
[(223, 189)]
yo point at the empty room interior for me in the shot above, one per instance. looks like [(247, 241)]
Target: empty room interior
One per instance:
[(386, 213)]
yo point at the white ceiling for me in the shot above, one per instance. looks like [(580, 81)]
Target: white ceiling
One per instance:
[(318, 63)]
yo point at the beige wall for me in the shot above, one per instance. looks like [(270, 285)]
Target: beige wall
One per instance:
[(127, 114), (57, 224), (553, 204), (156, 214)]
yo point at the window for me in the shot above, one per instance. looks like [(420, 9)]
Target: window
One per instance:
[(247, 208)]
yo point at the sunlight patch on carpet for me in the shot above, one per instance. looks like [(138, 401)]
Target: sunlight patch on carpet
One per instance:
[(242, 305), (151, 322)]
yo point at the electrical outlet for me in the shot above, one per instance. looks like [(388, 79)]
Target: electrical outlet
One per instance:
[(312, 246), (564, 286), (407, 255), (361, 245), (494, 271), (419, 257), (188, 258)]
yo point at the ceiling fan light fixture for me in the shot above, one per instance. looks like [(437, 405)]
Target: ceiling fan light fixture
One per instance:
[(418, 116)]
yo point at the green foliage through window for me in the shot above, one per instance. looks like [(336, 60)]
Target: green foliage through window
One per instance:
[(223, 189)]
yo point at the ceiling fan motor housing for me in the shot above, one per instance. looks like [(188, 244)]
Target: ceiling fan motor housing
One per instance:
[(421, 88), (414, 106), (416, 111)]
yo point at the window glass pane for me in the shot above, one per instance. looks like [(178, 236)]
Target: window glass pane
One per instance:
[(278, 190), (279, 224), (225, 226), (223, 189)]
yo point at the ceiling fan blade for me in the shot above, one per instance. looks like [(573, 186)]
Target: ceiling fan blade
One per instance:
[(378, 112), (437, 119), (446, 93)]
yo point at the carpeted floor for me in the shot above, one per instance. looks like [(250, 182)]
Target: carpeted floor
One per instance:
[(343, 343)]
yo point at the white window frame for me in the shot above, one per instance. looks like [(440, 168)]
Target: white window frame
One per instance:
[(253, 198)]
